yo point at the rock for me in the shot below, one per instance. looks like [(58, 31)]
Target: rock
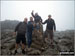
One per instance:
[(35, 52), (36, 46), (38, 43), (63, 41), (50, 51)]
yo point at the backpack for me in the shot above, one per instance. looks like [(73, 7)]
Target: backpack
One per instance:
[(22, 28)]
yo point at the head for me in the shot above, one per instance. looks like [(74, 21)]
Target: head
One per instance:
[(49, 16), (31, 18), (25, 20), (36, 14)]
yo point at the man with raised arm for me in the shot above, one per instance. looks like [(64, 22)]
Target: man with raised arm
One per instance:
[(37, 20)]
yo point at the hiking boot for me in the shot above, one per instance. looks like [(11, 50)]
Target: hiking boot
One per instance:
[(15, 52), (23, 51)]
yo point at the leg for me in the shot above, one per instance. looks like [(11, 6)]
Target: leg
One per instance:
[(23, 46), (51, 38), (29, 36), (51, 41), (16, 46), (23, 43), (17, 43), (28, 39)]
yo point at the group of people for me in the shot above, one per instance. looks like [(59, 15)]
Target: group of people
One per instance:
[(24, 29)]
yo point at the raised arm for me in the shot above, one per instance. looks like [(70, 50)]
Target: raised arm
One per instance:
[(32, 14)]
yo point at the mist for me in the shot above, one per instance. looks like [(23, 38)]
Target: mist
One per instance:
[(62, 12)]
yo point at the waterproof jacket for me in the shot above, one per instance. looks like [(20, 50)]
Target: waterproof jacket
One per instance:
[(30, 26), (50, 24), (21, 28)]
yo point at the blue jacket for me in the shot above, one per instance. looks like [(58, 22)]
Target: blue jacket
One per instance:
[(30, 26)]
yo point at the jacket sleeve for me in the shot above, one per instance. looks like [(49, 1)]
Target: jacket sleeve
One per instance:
[(54, 25), (17, 26), (40, 19), (27, 28), (44, 22), (32, 14)]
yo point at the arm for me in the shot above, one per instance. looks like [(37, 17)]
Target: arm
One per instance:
[(40, 19), (54, 26), (44, 22), (32, 14), (17, 26)]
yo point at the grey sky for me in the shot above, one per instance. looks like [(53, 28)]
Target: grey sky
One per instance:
[(62, 11)]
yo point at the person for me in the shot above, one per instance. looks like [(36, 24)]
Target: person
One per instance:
[(21, 33), (51, 26), (29, 32), (37, 19)]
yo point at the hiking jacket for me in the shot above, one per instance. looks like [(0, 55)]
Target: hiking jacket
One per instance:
[(21, 28), (50, 24), (30, 26)]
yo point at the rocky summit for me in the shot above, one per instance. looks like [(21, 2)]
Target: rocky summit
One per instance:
[(63, 43)]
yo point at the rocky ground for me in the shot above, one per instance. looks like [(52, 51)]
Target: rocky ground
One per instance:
[(63, 42)]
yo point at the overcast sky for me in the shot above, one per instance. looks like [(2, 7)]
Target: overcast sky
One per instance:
[(62, 11)]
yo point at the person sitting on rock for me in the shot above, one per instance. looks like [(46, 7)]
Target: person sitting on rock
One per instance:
[(50, 27), (29, 31), (21, 33)]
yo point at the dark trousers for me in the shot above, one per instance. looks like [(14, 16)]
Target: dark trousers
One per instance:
[(29, 38)]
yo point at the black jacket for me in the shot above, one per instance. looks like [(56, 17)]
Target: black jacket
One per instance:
[(50, 24), (21, 28)]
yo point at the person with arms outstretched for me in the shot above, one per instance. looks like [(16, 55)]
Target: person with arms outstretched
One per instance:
[(51, 26)]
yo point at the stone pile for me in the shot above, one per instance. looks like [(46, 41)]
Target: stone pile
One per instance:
[(63, 41)]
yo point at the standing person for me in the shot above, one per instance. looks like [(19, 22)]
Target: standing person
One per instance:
[(50, 28), (21, 31), (37, 19), (29, 31)]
